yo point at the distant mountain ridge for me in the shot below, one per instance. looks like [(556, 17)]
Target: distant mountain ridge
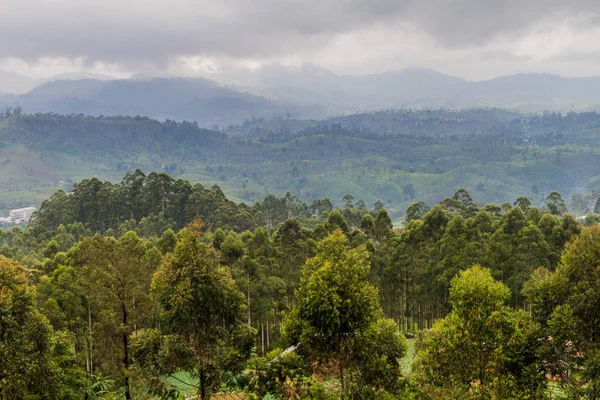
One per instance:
[(191, 99), (308, 91), (418, 88), (15, 83)]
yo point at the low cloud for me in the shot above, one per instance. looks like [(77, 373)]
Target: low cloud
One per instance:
[(349, 36)]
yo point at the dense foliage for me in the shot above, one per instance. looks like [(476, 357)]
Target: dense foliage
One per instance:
[(395, 156), (156, 288)]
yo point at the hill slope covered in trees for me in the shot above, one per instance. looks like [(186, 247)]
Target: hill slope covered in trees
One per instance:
[(156, 288), (392, 156)]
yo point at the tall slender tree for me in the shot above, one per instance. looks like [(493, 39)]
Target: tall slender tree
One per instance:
[(204, 311)]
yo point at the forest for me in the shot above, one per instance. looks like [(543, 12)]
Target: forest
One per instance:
[(395, 156), (157, 288)]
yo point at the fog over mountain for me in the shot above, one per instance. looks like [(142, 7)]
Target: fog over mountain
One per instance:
[(308, 91), (419, 87), (14, 83), (192, 99)]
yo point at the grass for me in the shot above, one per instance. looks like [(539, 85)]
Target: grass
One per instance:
[(409, 357), (24, 198), (184, 382)]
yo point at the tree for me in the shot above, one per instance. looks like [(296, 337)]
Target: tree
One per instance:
[(566, 304), (157, 193), (338, 316), (167, 241), (294, 247), (590, 199), (516, 248), (361, 205), (348, 199), (523, 202), (367, 225), (133, 185), (321, 206), (274, 210), (416, 211), (383, 225), (336, 220), (232, 248), (556, 204), (464, 202), (35, 361), (457, 249), (116, 276), (204, 311), (482, 349)]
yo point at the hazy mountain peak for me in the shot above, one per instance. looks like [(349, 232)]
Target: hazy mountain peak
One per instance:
[(14, 83), (311, 68), (307, 88), (79, 75), (65, 88)]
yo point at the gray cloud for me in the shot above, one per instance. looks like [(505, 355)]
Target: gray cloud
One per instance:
[(135, 34)]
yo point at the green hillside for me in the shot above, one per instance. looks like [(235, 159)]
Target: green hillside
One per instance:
[(393, 156)]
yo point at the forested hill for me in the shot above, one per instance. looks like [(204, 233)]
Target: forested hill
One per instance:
[(83, 134), (123, 287), (392, 156)]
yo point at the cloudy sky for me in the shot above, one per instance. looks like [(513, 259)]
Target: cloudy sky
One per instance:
[(474, 39)]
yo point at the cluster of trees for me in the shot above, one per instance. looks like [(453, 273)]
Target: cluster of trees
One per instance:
[(89, 134), (307, 301), (586, 204), (9, 112), (154, 202)]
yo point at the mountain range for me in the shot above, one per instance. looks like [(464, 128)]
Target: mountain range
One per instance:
[(275, 91), (15, 83)]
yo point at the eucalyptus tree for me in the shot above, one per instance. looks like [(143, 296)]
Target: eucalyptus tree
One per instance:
[(116, 275), (204, 313), (337, 318), (483, 348)]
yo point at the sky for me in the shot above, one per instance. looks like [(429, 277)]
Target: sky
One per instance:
[(473, 39)]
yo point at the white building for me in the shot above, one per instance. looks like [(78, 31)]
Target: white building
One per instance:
[(21, 214)]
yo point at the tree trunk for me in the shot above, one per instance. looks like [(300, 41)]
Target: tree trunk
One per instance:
[(262, 341), (268, 336), (125, 353), (202, 384), (249, 320), (91, 343)]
